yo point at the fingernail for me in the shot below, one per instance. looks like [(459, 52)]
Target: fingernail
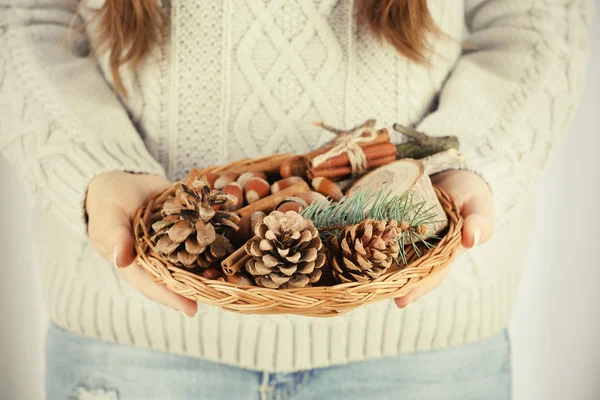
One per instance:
[(408, 305), (184, 314), (476, 237), (115, 253)]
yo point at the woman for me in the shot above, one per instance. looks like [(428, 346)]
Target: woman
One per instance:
[(196, 83)]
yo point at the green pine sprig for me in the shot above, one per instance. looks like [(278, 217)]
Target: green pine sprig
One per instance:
[(330, 218)]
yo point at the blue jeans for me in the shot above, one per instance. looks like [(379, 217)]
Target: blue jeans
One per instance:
[(86, 369)]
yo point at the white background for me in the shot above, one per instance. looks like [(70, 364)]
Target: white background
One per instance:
[(556, 327)]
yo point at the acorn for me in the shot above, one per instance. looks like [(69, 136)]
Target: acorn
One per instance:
[(292, 203), (327, 188), (197, 174), (234, 189), (256, 189), (285, 183), (210, 179), (312, 197), (246, 176), (225, 178), (240, 279), (300, 202), (212, 273)]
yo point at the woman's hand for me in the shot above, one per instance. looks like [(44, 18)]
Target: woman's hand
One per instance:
[(112, 200), (474, 199)]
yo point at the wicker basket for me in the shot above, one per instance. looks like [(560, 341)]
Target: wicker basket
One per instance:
[(318, 301)]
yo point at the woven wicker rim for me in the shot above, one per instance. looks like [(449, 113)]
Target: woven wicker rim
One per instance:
[(320, 301)]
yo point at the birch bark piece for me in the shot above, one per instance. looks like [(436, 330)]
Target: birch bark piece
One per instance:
[(400, 177)]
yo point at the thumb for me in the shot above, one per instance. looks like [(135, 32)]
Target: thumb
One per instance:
[(478, 215), (123, 253), (110, 233)]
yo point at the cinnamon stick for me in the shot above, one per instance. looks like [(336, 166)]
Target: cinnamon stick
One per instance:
[(228, 263), (268, 203), (269, 165), (383, 136), (292, 166), (372, 153), (298, 166), (238, 266), (340, 173), (244, 233)]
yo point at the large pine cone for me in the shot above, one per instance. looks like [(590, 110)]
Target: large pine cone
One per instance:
[(364, 251), (191, 232), (286, 252)]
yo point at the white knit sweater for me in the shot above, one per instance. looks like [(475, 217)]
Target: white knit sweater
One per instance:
[(245, 78)]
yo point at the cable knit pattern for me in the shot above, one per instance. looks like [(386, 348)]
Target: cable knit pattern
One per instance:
[(245, 78), (524, 72)]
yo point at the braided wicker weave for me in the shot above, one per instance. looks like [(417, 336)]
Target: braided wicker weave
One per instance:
[(318, 301)]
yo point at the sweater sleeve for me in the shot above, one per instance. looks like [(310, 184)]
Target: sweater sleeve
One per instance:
[(60, 122), (510, 97)]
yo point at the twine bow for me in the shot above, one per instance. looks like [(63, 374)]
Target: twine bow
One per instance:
[(350, 143)]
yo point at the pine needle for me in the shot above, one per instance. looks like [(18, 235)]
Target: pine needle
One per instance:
[(330, 218)]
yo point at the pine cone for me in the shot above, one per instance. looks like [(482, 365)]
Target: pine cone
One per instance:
[(191, 232), (364, 251), (286, 252)]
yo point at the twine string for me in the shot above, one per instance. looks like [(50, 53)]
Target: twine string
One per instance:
[(350, 143)]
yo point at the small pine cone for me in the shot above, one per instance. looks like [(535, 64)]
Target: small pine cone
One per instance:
[(195, 220), (286, 252), (364, 251)]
